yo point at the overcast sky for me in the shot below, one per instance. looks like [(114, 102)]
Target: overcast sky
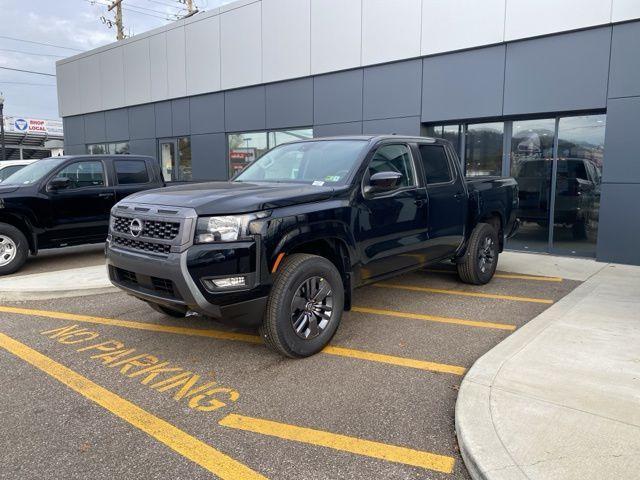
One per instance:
[(69, 23)]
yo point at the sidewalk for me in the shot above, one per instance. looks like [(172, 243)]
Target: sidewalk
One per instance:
[(560, 398), (72, 282)]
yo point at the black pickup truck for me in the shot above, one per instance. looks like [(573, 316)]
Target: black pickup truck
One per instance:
[(284, 243), (66, 200)]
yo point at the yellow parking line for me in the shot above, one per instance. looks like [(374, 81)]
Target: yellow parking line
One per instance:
[(242, 337), (189, 447), (390, 453), (433, 318), (462, 293), (517, 276)]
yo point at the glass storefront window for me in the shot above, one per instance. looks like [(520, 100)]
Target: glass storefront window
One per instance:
[(531, 160), (578, 179), (184, 159), (113, 148), (96, 149), (244, 148), (448, 132), (483, 149)]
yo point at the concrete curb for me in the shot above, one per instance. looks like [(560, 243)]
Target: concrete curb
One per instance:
[(484, 435), (74, 282)]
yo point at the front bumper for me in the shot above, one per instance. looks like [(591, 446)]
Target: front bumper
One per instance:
[(175, 280)]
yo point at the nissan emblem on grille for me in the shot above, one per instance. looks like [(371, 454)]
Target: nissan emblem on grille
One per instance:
[(135, 227)]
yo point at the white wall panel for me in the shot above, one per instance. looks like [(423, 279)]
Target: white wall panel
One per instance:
[(526, 18), (336, 40), (202, 40), (625, 10), (390, 30), (137, 72), (68, 82), (286, 39), (112, 78), (158, 67), (176, 63), (241, 52), (454, 24), (89, 83)]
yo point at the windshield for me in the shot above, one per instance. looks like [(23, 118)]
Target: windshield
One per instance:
[(34, 172), (320, 162)]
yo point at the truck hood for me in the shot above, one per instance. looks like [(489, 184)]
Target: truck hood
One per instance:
[(4, 189), (216, 198)]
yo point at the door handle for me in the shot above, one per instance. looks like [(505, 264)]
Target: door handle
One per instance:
[(457, 195), (106, 195), (419, 203)]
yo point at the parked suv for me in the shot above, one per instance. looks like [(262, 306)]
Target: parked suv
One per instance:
[(284, 243), (66, 200)]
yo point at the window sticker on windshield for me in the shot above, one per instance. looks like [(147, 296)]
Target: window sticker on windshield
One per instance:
[(332, 178), (317, 183)]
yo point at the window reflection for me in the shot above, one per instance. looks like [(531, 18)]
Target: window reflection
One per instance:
[(448, 132), (531, 159), (579, 172), (483, 149)]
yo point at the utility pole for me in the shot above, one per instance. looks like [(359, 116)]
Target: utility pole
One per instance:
[(3, 154), (191, 8), (117, 4)]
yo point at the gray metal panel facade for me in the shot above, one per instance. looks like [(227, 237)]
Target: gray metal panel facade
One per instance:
[(75, 149), (180, 117), (142, 121), (289, 104), (337, 97), (618, 234), (94, 128), (560, 73), (463, 85), (116, 125), (245, 109), (624, 80), (163, 119), (392, 90), (621, 157), (145, 146), (401, 126), (332, 129), (206, 113), (73, 130), (209, 156)]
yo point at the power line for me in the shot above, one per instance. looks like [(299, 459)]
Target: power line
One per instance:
[(40, 43), (28, 71), (30, 84), (31, 53), (165, 4)]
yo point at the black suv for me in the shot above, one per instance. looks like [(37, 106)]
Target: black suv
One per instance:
[(284, 243)]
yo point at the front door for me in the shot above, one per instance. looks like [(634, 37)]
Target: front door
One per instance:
[(81, 210), (392, 226), (169, 158)]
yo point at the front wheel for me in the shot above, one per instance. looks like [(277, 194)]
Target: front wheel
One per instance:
[(481, 258), (13, 249), (305, 306)]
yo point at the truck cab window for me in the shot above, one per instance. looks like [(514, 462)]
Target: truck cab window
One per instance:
[(435, 163), (131, 171), (83, 174), (394, 158)]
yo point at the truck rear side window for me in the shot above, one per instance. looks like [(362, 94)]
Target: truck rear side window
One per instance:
[(436, 164), (131, 171)]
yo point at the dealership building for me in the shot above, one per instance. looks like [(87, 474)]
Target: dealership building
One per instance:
[(547, 91)]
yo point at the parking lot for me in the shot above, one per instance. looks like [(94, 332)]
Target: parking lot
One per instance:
[(102, 386)]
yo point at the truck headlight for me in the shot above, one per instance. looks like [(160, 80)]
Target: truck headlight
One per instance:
[(219, 229)]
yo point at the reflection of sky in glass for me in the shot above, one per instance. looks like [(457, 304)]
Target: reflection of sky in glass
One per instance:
[(583, 130)]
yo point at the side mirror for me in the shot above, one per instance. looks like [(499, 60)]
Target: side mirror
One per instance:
[(383, 182), (58, 183)]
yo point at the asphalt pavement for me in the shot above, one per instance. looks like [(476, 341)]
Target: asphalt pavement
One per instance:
[(377, 403)]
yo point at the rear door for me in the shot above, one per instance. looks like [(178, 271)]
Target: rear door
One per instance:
[(392, 226), (80, 212), (131, 175), (447, 200)]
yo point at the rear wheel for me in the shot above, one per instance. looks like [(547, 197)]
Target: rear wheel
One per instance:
[(305, 306), (13, 249), (481, 258), (176, 313)]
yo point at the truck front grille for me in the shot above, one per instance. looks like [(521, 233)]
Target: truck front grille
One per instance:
[(150, 228), (155, 285), (142, 245)]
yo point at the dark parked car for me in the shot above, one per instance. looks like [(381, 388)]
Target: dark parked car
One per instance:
[(284, 243), (66, 200)]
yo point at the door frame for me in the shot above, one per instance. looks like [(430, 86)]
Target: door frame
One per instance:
[(174, 141)]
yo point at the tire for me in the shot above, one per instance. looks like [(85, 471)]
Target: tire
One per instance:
[(14, 249), (175, 313), (483, 245), (302, 277)]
